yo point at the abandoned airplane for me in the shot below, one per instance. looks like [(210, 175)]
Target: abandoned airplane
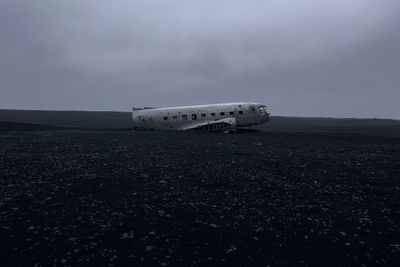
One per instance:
[(215, 117)]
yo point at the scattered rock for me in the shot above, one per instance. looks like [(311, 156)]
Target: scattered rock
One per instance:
[(106, 194), (161, 213), (149, 248)]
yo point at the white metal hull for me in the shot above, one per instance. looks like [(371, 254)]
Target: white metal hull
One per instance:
[(202, 117)]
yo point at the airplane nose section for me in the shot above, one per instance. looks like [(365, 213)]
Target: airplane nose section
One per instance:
[(264, 113), (266, 117)]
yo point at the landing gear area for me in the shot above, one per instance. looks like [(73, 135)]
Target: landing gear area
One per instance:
[(217, 127)]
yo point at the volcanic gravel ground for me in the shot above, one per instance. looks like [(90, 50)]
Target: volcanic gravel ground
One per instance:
[(85, 197)]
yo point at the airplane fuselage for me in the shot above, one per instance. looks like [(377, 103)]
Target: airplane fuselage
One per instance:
[(203, 117)]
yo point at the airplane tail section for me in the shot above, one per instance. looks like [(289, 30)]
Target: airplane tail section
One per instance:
[(137, 108)]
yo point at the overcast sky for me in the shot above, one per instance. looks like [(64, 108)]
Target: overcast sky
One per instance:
[(304, 58)]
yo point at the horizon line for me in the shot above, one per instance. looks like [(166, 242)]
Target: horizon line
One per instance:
[(118, 111)]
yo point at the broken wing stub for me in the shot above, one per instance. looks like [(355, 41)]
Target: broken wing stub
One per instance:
[(219, 125)]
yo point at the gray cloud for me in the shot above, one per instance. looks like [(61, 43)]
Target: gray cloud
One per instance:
[(308, 58)]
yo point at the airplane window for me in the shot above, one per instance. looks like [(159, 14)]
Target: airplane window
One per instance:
[(213, 114), (231, 113), (184, 117), (194, 116), (174, 117), (165, 118), (241, 112), (222, 113), (203, 115)]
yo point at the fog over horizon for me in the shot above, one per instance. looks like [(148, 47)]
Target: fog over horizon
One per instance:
[(302, 58)]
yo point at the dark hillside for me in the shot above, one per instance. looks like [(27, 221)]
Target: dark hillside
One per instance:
[(17, 126), (76, 119), (107, 119)]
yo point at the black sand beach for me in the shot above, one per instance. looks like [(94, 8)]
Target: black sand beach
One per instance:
[(120, 197)]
